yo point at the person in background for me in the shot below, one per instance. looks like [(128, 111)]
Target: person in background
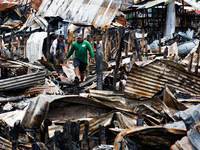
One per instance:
[(56, 49), (80, 47)]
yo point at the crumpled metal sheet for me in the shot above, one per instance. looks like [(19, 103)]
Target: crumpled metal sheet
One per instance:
[(193, 4), (190, 116), (183, 144), (147, 78), (191, 141), (126, 121), (170, 100), (35, 113), (154, 110), (194, 137), (98, 13), (156, 136)]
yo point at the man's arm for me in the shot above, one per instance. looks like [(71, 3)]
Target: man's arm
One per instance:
[(70, 51), (90, 50), (54, 51)]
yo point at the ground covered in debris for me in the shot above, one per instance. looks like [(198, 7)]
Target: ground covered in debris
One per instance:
[(141, 93)]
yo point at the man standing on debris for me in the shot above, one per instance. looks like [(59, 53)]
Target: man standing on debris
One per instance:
[(80, 59), (55, 50)]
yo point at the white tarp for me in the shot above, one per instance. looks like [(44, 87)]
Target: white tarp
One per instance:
[(34, 46)]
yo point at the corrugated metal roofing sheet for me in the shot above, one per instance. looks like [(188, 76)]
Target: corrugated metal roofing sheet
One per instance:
[(23, 81), (193, 4), (147, 79), (98, 13), (4, 4)]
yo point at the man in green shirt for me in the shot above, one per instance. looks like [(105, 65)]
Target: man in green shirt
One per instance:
[(80, 59)]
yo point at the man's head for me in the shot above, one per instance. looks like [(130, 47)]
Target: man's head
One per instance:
[(61, 37), (79, 37)]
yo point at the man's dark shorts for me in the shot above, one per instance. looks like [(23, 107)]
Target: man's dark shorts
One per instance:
[(82, 65)]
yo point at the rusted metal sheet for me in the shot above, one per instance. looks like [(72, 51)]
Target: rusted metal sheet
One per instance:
[(155, 137), (35, 113), (98, 13), (190, 142), (62, 111), (125, 121), (170, 100), (147, 78), (23, 81), (5, 4), (183, 144)]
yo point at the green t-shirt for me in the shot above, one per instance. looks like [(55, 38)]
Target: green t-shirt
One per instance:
[(81, 51)]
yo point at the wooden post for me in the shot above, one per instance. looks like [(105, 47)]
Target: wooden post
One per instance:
[(1, 49), (116, 40), (159, 36), (197, 66), (75, 130), (118, 60), (140, 119), (129, 42), (134, 47), (84, 144), (106, 44), (137, 47), (66, 141), (15, 135), (11, 45), (99, 64), (190, 62), (48, 43), (47, 123), (142, 44), (146, 48), (118, 44), (109, 44), (165, 53), (57, 137), (102, 134), (103, 46), (4, 37)]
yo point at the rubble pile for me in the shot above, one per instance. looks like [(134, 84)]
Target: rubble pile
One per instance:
[(141, 92)]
